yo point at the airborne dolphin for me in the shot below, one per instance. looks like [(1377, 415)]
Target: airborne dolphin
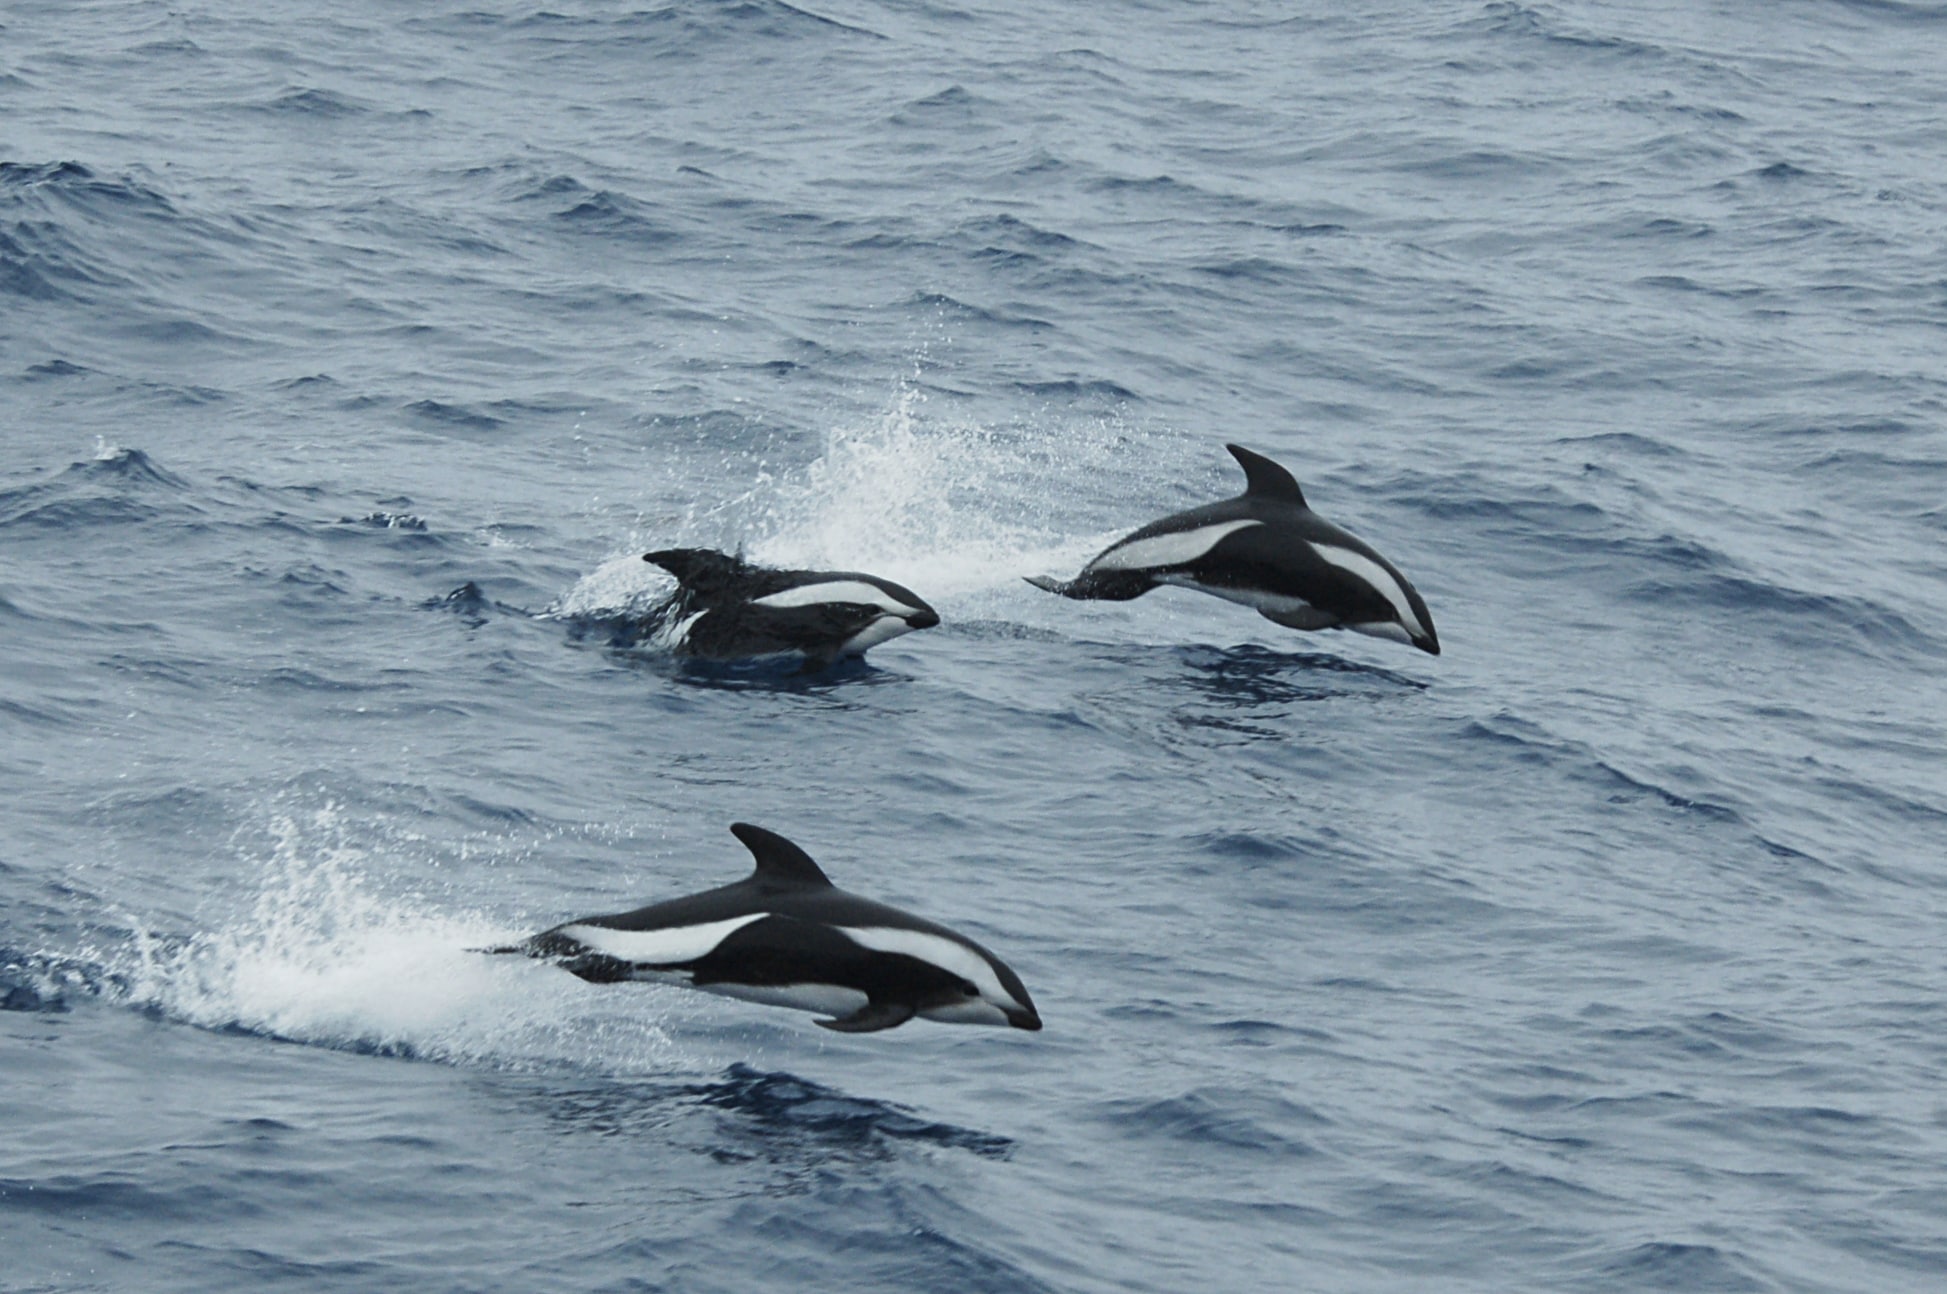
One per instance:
[(1268, 550), (785, 935), (725, 608)]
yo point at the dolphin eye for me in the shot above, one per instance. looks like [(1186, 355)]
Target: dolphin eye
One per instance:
[(968, 989)]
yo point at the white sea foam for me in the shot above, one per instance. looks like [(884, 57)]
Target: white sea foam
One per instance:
[(623, 584), (319, 956), (956, 510), (942, 504)]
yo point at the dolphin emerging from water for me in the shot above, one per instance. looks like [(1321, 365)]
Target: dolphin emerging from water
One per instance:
[(725, 608)]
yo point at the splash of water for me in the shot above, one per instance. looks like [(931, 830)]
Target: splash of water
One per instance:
[(319, 957), (954, 509), (945, 504), (623, 585)]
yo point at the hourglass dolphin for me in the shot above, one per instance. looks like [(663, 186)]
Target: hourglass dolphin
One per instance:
[(725, 608), (1268, 550), (785, 935)]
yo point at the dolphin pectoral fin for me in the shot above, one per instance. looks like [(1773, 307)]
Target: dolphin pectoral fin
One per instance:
[(1048, 583), (817, 662), (1302, 618), (871, 1018)]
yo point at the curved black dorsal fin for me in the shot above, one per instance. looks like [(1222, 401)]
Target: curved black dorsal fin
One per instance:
[(779, 862), (696, 567), (1264, 479)]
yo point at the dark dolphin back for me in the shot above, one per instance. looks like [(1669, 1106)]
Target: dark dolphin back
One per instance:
[(782, 868), (794, 579), (899, 591), (700, 570), (710, 578)]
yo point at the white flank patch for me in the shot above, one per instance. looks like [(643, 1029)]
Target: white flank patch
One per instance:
[(677, 634), (880, 630), (806, 595), (659, 947), (972, 1011), (1380, 578), (955, 959), (826, 999), (1167, 550), (1384, 629), (1256, 599)]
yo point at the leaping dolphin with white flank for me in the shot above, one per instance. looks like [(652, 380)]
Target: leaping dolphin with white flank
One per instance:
[(785, 935), (1267, 549), (726, 608)]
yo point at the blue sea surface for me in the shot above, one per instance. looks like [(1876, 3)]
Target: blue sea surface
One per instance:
[(351, 354)]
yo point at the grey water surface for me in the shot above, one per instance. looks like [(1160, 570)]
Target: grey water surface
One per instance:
[(351, 353)]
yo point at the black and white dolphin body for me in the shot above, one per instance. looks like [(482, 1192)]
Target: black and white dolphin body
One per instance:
[(1268, 550), (726, 608), (785, 935)]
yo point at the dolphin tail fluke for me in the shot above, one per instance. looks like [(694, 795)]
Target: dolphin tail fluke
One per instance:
[(871, 1018), (548, 943), (1095, 585), (569, 955)]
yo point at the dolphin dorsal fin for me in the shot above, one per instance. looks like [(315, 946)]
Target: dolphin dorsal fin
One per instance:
[(1264, 479), (779, 862), (697, 567)]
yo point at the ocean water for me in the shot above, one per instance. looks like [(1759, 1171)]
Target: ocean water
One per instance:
[(351, 353)]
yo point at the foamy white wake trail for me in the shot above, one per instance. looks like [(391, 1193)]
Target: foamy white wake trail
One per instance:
[(956, 510), (320, 958)]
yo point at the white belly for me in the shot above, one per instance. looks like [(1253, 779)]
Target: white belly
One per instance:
[(1256, 599), (881, 630), (826, 999), (972, 1011)]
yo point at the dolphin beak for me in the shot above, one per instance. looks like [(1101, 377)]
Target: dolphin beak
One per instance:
[(930, 618), (1428, 644), (1024, 1018)]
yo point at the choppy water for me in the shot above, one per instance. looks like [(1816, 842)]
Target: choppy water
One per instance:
[(350, 352)]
